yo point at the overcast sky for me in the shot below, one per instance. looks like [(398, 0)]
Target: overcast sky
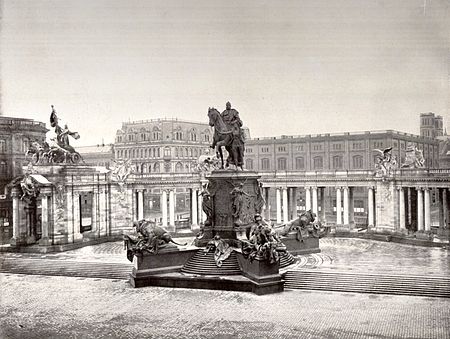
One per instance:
[(288, 67)]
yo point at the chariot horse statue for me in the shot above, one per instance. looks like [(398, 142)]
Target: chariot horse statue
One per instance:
[(227, 136)]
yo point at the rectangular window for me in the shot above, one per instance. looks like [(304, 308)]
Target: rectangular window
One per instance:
[(265, 150), (282, 164), (265, 164)]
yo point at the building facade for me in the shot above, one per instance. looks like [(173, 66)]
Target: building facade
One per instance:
[(335, 151), (97, 155), (16, 134)]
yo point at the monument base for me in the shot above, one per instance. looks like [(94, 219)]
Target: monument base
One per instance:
[(295, 247)]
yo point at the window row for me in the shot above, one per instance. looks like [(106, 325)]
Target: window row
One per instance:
[(317, 163), (155, 152)]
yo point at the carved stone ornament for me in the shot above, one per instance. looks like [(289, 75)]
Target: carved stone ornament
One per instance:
[(385, 164), (120, 171)]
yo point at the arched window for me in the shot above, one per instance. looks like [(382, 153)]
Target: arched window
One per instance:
[(358, 162), (3, 168), (299, 163), (179, 167), (318, 162), (156, 167), (249, 164), (281, 164), (337, 162), (156, 133), (265, 164)]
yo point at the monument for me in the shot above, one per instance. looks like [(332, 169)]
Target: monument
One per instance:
[(236, 249)]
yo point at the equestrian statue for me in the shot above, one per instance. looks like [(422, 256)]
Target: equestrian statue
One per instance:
[(229, 134)]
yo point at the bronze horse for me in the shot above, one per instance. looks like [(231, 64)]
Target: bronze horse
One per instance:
[(223, 136)]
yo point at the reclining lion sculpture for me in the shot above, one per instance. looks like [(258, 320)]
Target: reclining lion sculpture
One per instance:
[(149, 238)]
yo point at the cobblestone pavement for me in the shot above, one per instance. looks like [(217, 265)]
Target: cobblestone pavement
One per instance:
[(65, 307)]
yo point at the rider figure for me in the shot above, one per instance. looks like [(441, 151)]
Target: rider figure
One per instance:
[(231, 118)]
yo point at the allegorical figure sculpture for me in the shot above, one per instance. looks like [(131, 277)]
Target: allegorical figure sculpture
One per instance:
[(238, 194), (413, 158), (386, 163), (228, 133), (206, 204), (148, 237), (263, 243), (221, 250)]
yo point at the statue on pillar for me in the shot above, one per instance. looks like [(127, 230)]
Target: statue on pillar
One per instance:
[(413, 158), (228, 133), (206, 204), (239, 195), (386, 163)]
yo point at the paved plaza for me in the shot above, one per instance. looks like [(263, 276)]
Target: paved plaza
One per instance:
[(66, 307)]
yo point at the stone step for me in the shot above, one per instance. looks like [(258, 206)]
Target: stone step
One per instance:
[(203, 264), (66, 268), (368, 283)]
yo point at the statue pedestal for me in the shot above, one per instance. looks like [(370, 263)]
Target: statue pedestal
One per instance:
[(147, 266), (236, 198), (296, 247), (265, 277)]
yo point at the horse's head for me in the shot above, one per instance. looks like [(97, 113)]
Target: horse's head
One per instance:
[(213, 114)]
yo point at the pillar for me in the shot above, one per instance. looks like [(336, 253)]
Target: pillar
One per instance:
[(419, 209), (427, 210), (285, 205), (323, 213), (172, 208), (351, 206), (44, 241), (439, 193), (444, 207), (346, 209), (292, 203), (164, 208), (140, 205), (77, 236), (315, 207), (194, 209), (278, 206), (16, 218), (402, 209), (338, 206), (371, 207), (409, 207), (307, 198), (267, 205)]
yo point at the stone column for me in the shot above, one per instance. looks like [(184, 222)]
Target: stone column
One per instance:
[(292, 203), (315, 207), (351, 206), (371, 207), (285, 205), (419, 209), (338, 206), (307, 198), (15, 240), (278, 206), (346, 212), (44, 241), (444, 207), (402, 210), (267, 205), (140, 205), (408, 207), (194, 209), (201, 215), (172, 209), (439, 193), (77, 236), (164, 208), (323, 216), (427, 210)]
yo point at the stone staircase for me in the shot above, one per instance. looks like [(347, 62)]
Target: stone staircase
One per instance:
[(361, 282), (67, 268), (203, 263)]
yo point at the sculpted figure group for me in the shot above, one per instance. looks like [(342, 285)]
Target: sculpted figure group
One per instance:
[(60, 150)]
